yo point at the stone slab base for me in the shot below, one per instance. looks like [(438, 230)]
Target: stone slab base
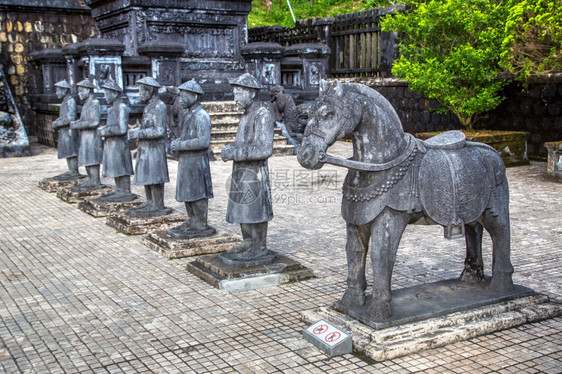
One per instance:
[(232, 279), (69, 196), (129, 225), (53, 185), (553, 177), (411, 337), (172, 248), (432, 300), (97, 208)]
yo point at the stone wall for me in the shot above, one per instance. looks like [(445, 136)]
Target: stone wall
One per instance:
[(536, 110), (33, 25)]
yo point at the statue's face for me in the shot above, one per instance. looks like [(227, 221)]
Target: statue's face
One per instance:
[(244, 97), (145, 92), (61, 92), (187, 99), (83, 93), (110, 95)]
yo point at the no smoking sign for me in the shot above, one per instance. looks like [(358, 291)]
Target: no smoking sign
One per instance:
[(328, 338)]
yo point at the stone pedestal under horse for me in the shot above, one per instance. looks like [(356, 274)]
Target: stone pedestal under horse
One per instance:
[(395, 179)]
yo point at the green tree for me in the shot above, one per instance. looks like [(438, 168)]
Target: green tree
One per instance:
[(450, 51), (277, 11), (533, 38)]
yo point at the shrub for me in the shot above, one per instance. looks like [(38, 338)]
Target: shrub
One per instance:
[(533, 38), (450, 51)]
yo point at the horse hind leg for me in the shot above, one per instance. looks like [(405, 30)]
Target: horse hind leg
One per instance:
[(497, 224), (356, 250), (473, 265)]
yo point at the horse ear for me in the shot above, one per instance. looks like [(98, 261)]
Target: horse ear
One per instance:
[(324, 86), (338, 88)]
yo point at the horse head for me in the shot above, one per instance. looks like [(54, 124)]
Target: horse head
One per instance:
[(332, 116)]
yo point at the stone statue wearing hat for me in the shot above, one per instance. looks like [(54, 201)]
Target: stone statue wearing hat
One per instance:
[(194, 186), (90, 151), (68, 141), (151, 168), (249, 201), (116, 153)]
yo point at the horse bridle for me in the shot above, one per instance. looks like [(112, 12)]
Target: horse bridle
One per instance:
[(366, 166)]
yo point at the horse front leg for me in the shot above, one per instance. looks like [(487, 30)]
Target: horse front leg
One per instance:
[(473, 265), (356, 249), (386, 232)]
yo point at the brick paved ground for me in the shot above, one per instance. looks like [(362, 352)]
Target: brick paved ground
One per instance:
[(79, 297)]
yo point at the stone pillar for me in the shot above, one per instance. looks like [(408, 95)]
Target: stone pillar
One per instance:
[(554, 161), (74, 73), (263, 60), (165, 61), (302, 68), (49, 67), (101, 60)]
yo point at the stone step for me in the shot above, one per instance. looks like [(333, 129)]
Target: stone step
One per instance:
[(225, 117), (220, 143), (224, 126), (221, 133), (278, 150), (220, 106)]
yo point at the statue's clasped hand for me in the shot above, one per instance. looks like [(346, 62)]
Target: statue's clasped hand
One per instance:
[(227, 153)]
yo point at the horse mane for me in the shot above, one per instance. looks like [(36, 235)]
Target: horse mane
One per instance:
[(377, 102)]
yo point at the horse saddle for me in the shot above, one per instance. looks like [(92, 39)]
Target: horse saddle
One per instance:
[(454, 182)]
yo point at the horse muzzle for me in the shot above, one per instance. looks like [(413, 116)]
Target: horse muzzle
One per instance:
[(309, 157)]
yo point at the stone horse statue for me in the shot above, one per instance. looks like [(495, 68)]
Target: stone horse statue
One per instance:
[(395, 179)]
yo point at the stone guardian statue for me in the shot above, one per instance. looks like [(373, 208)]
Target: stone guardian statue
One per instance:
[(90, 153), (249, 202), (194, 186), (151, 168), (117, 161), (68, 141)]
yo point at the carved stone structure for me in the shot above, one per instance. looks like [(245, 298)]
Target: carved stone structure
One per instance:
[(117, 161), (172, 248), (286, 112), (303, 67), (151, 170), (210, 31), (194, 186), (263, 60), (68, 141), (27, 26), (90, 149), (395, 179), (235, 278), (13, 138), (249, 202)]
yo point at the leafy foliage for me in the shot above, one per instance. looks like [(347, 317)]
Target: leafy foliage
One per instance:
[(450, 51), (271, 12), (533, 38)]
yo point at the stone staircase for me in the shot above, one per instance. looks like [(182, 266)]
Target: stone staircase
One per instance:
[(224, 121)]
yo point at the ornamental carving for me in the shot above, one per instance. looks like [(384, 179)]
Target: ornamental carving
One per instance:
[(207, 65)]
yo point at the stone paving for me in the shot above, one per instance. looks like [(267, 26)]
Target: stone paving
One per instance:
[(76, 296)]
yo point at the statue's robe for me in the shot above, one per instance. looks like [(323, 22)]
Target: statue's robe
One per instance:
[(194, 173), (250, 192)]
